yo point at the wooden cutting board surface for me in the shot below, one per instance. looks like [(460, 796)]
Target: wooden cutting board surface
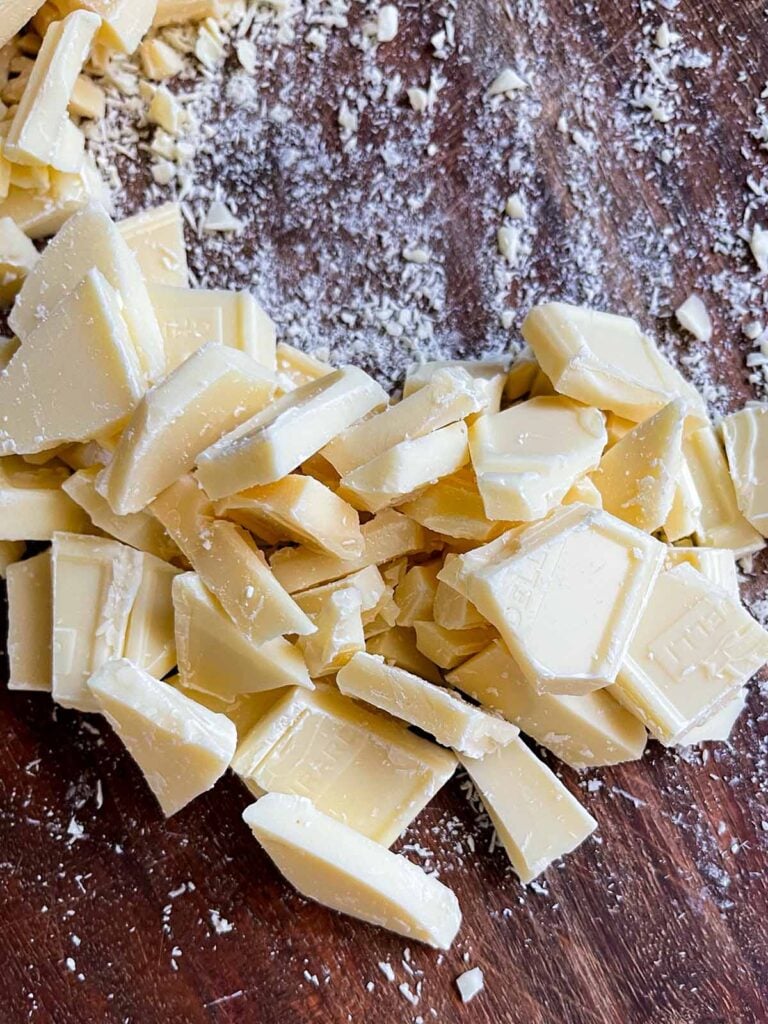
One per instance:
[(108, 913)]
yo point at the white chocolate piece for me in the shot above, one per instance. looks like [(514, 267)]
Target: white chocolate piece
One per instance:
[(123, 22), (528, 457), (717, 564), (584, 492), (295, 368), (469, 983), (616, 427), (149, 639), (88, 99), (694, 648), (638, 476), (178, 12), (95, 583), (449, 395), (684, 519), (334, 865), (536, 817), (16, 13), (244, 711), (694, 316), (454, 507), (30, 624), (415, 594), (32, 504), (521, 375), (721, 524), (581, 576), (211, 393), (189, 318), (11, 551), (40, 214), (139, 529), (407, 468), (586, 732), (448, 648), (606, 361), (83, 351), (387, 536), (276, 441), (18, 257), (217, 659), (156, 237), (182, 748), (41, 132), (356, 765), (368, 582), (453, 721), (300, 509), (160, 61), (718, 728), (451, 609), (339, 633), (746, 442), (90, 239), (397, 646), (489, 376)]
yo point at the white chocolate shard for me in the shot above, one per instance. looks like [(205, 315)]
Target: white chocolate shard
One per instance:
[(448, 648), (452, 610), (32, 504), (454, 507), (489, 376), (156, 238), (18, 257), (415, 593), (718, 728), (453, 721), (16, 13), (584, 492), (30, 621), (684, 518), (521, 375), (694, 316), (330, 863), (40, 214), (244, 711), (296, 368), (123, 22), (717, 564), (149, 639), (368, 582), (339, 633), (528, 457), (397, 646), (536, 817), (182, 748), (746, 443)]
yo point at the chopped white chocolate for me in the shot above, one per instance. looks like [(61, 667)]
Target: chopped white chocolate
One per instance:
[(339, 633), (407, 468), (90, 239), (453, 721), (684, 518), (489, 376), (123, 22), (746, 443), (585, 732), (397, 646), (616, 427), (720, 523), (447, 648), (448, 396), (331, 863), (528, 457), (368, 582), (211, 393), (156, 237), (415, 593), (84, 351), (637, 477), (694, 317), (88, 99), (182, 748), (717, 564), (244, 711), (295, 368), (18, 257), (149, 639), (32, 504), (585, 493), (300, 509), (387, 22), (694, 648), (360, 767), (276, 441), (521, 375), (582, 576), (452, 610), (606, 361), (160, 61), (718, 728), (11, 551), (189, 318), (16, 13), (453, 506), (536, 817), (40, 214), (216, 658), (95, 583), (386, 536), (507, 81), (30, 621), (41, 132), (470, 983), (166, 111)]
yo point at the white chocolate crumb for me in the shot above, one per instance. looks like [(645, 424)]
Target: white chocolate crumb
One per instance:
[(694, 317), (387, 23), (470, 983), (506, 81)]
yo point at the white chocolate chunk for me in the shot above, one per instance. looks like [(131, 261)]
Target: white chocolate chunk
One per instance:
[(447, 648), (720, 524), (606, 361), (40, 214), (585, 732), (470, 983), (368, 582), (156, 237), (453, 506), (30, 622), (637, 477), (275, 442), (149, 639), (295, 368), (41, 131), (95, 583), (489, 376), (358, 766), (16, 13), (18, 257), (178, 12), (684, 518), (717, 564), (139, 529), (300, 509), (11, 551), (718, 728), (694, 317), (528, 457), (339, 633), (182, 748), (746, 442), (452, 610), (88, 99), (160, 61), (521, 375), (189, 318), (331, 863), (211, 393), (387, 23), (449, 395), (82, 351), (507, 81), (581, 576), (244, 711), (584, 492), (90, 239), (123, 22), (694, 648), (407, 468), (536, 817), (415, 593), (32, 504), (216, 658), (397, 646), (453, 721), (387, 536)]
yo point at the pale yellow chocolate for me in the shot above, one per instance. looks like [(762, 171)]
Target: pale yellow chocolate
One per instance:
[(746, 442), (156, 238), (447, 648), (397, 646), (30, 624), (32, 504), (415, 593), (339, 633), (18, 257), (454, 507), (149, 639)]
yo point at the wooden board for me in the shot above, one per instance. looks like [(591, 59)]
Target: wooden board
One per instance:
[(108, 913)]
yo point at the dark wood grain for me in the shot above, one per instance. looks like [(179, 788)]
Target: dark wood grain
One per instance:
[(659, 920)]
